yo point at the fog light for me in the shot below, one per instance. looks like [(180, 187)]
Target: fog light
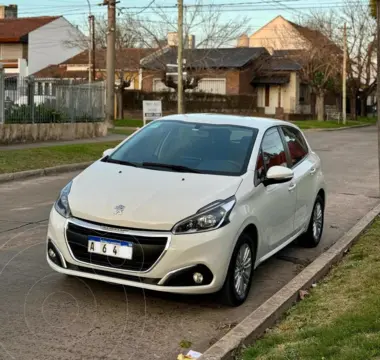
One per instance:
[(198, 278), (52, 254)]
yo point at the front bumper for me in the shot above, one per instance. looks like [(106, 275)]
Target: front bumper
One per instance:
[(182, 253)]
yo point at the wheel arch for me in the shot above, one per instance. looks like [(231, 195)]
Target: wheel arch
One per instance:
[(322, 194)]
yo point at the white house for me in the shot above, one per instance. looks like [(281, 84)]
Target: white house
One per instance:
[(30, 44)]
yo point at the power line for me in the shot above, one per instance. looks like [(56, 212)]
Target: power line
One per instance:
[(145, 8)]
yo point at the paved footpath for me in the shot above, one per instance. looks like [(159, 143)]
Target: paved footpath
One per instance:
[(44, 315), (109, 137)]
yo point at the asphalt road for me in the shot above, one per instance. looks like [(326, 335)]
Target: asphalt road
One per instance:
[(45, 315)]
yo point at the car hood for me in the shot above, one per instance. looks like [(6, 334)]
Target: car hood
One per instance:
[(152, 199)]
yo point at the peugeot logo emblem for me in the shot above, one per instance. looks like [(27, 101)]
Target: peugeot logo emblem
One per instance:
[(119, 209)]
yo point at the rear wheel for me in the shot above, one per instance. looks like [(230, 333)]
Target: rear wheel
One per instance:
[(239, 277), (313, 235)]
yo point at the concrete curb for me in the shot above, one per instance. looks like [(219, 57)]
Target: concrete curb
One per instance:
[(43, 172), (255, 324), (342, 128)]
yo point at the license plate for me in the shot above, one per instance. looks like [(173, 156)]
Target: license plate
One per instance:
[(110, 247)]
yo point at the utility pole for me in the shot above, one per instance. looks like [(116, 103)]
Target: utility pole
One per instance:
[(180, 93), (93, 47), (111, 44), (89, 51), (344, 98), (89, 42), (378, 82)]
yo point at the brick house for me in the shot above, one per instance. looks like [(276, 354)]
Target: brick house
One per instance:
[(226, 71)]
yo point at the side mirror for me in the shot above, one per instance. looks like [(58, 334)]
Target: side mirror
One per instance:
[(107, 152), (278, 175)]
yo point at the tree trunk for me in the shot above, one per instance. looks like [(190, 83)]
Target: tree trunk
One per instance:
[(363, 106), (320, 106), (339, 103), (313, 105), (120, 103), (353, 107)]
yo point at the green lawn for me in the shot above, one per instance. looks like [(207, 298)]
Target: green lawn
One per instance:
[(314, 124), (43, 157), (121, 131), (304, 124), (339, 320)]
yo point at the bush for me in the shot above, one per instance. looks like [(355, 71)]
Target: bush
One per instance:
[(42, 114)]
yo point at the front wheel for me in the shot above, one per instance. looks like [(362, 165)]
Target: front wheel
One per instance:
[(313, 235), (239, 277)]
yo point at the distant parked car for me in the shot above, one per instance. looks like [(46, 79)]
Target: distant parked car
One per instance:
[(190, 204)]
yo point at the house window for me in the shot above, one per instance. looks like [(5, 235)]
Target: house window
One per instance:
[(38, 88), (267, 92), (10, 84), (304, 94), (47, 89)]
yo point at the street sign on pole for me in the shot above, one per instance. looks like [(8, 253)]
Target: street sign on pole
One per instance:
[(152, 110)]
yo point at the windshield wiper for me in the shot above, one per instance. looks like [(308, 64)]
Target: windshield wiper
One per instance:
[(121, 162), (178, 168)]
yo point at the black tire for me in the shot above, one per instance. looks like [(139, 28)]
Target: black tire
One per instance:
[(228, 294), (310, 238)]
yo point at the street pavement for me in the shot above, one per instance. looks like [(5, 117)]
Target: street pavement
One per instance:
[(45, 315)]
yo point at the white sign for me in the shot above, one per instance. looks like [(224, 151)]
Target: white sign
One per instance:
[(152, 110)]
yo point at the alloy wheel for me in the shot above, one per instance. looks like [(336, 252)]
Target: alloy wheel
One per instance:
[(243, 270), (317, 221)]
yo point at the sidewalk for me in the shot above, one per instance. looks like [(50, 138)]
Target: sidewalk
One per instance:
[(108, 138)]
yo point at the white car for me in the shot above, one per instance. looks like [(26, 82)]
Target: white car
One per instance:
[(190, 204)]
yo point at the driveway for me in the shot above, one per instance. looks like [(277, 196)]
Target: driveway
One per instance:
[(45, 315)]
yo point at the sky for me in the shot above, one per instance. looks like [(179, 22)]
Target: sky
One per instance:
[(259, 12)]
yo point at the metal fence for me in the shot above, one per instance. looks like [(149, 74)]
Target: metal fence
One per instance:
[(36, 100)]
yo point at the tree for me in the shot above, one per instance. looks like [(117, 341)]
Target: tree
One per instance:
[(320, 70), (128, 52), (361, 36), (134, 30)]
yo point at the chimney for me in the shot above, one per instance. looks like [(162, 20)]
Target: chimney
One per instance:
[(8, 11), (189, 43), (243, 41), (172, 39)]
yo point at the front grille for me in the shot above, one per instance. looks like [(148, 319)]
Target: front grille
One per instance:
[(146, 250)]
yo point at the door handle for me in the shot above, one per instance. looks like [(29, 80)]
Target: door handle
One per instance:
[(292, 187), (313, 171)]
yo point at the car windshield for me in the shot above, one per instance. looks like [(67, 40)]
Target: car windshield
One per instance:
[(181, 146)]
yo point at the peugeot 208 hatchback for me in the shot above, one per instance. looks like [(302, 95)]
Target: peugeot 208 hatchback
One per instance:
[(190, 204)]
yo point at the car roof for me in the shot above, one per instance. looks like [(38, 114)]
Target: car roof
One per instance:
[(222, 119)]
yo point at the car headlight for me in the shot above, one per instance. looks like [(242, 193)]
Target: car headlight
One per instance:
[(208, 218), (62, 203)]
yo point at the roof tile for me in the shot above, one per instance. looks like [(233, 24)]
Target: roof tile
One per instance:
[(12, 30), (208, 58)]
